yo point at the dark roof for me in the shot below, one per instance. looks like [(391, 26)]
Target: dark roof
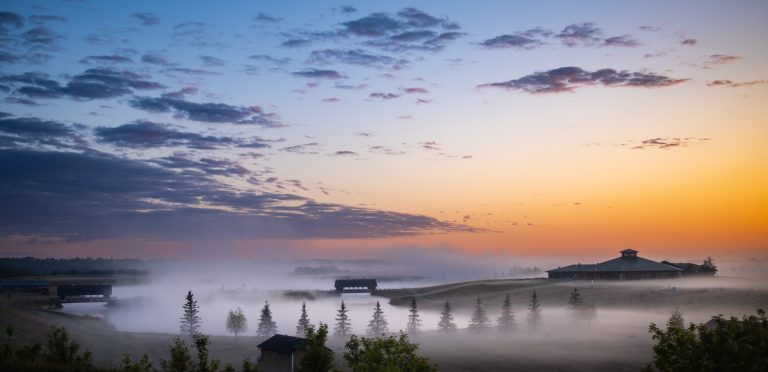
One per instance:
[(282, 344), (625, 263), (687, 266), (355, 282), (23, 283)]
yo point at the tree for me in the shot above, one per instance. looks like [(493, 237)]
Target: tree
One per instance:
[(66, 352), (534, 311), (385, 354), (479, 321), (236, 322), (267, 327), (708, 267), (506, 321), (181, 360), (414, 321), (719, 345), (676, 320), (446, 323), (378, 324), (575, 301), (142, 365), (343, 326), (303, 325), (190, 321), (204, 363), (317, 357)]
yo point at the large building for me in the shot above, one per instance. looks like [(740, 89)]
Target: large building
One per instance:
[(627, 266)]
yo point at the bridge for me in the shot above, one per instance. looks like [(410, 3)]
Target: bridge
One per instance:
[(79, 293), (355, 285)]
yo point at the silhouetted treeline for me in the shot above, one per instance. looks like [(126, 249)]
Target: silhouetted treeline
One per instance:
[(25, 266)]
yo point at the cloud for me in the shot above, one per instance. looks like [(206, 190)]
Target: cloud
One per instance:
[(147, 134), (208, 112), (354, 57), (29, 132), (380, 149), (731, 84), (347, 9), (621, 41), (385, 96), (568, 79), (189, 71), (521, 40), (719, 59), (295, 43), (430, 145), (319, 74), (344, 153), (211, 61), (41, 37), (207, 166), (103, 196), (106, 59), (95, 83), (409, 29), (146, 19), (415, 90), (305, 148), (666, 142), (266, 18), (689, 42), (585, 33), (156, 59), (10, 19)]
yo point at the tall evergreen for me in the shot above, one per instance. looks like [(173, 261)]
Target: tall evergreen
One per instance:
[(479, 321), (414, 321), (343, 326), (378, 323), (446, 323), (506, 321), (575, 301), (267, 327), (301, 327), (534, 311), (190, 321)]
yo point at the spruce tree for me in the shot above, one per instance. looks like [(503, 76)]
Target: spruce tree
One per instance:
[(343, 326), (506, 321), (236, 322), (575, 301), (267, 327), (479, 321), (301, 327), (446, 323), (414, 321), (190, 321), (378, 324), (534, 311)]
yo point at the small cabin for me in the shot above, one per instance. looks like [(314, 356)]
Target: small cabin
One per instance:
[(355, 285), (281, 353)]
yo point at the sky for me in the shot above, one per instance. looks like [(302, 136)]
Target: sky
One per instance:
[(250, 129)]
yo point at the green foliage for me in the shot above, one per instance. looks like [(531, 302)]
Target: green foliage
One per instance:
[(317, 357), (446, 323), (479, 321), (720, 345), (303, 324), (190, 321), (414, 321), (142, 365), (385, 354), (181, 360), (63, 351), (236, 322), (378, 324), (249, 366), (204, 363), (343, 326), (506, 321), (267, 327)]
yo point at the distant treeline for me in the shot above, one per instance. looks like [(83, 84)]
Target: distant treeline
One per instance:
[(26, 266)]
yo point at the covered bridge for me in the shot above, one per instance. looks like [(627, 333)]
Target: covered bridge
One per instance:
[(625, 267), (355, 285)]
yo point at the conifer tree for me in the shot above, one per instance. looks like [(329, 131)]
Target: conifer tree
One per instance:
[(378, 323), (575, 301), (267, 327), (506, 321), (414, 321), (446, 323), (534, 311), (236, 322), (190, 321), (301, 327), (479, 321), (343, 326)]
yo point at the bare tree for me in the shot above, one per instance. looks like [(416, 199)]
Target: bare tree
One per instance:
[(236, 322)]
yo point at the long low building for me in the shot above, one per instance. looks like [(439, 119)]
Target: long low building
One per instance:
[(626, 267)]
